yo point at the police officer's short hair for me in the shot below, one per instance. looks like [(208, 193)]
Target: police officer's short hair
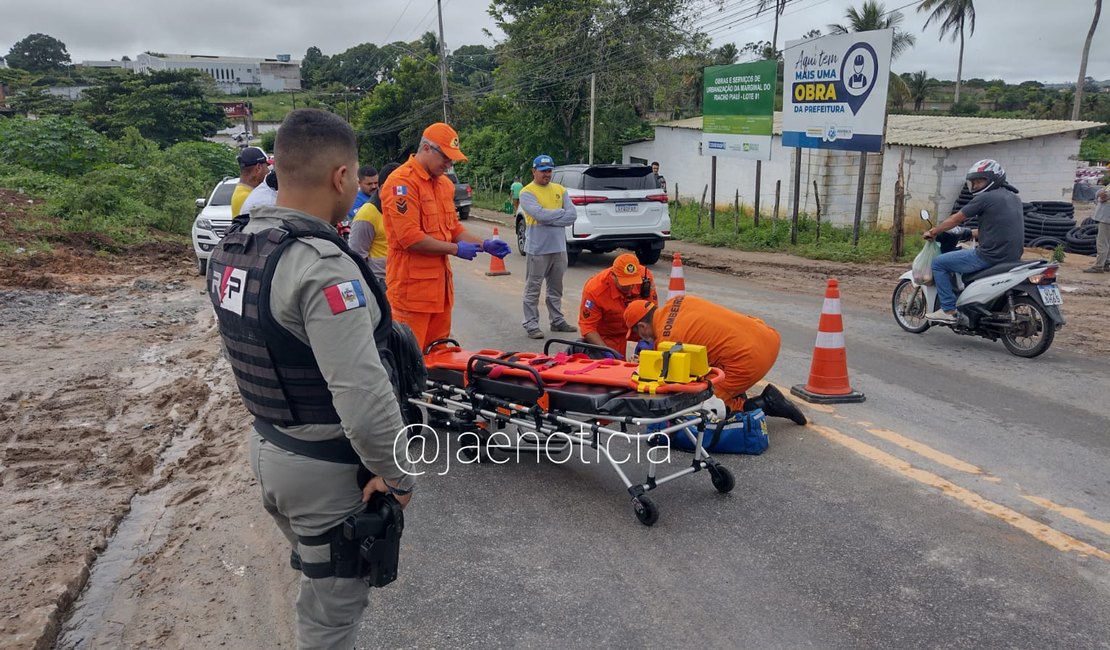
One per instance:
[(366, 170), (310, 143)]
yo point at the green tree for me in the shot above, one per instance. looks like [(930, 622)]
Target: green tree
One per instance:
[(39, 53), (955, 17), (165, 106), (919, 85), (873, 15), (391, 119), (53, 145), (36, 101), (312, 67)]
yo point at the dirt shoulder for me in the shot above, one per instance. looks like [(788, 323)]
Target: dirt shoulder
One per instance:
[(115, 401)]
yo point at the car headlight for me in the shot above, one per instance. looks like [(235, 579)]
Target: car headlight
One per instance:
[(204, 224)]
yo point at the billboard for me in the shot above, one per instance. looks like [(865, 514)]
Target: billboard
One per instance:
[(834, 91), (738, 104), (235, 109)]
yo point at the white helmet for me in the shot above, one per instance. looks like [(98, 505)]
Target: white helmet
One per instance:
[(988, 170)]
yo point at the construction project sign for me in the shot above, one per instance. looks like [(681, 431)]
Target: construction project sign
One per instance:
[(738, 110), (834, 91)]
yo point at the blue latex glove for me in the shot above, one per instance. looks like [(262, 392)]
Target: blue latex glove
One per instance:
[(467, 250), (641, 346), (496, 247)]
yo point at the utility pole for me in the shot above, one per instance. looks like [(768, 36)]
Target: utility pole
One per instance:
[(593, 103), (293, 95), (443, 61)]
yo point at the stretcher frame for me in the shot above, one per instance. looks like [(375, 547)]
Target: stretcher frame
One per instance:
[(488, 424)]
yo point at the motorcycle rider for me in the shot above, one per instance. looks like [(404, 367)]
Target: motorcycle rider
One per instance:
[(1001, 233)]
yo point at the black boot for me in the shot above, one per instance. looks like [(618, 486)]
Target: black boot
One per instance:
[(295, 560), (775, 405)]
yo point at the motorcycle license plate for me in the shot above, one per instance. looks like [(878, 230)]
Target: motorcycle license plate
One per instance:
[(626, 207), (1051, 295)]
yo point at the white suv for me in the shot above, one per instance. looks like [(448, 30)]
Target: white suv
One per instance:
[(619, 206), (212, 221)]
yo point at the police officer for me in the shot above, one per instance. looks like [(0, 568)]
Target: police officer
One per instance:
[(295, 310)]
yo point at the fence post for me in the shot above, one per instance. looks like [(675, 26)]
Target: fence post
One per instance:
[(701, 206), (736, 219), (896, 233), (817, 198), (778, 194)]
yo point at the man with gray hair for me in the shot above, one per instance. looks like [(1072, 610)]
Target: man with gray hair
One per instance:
[(294, 307)]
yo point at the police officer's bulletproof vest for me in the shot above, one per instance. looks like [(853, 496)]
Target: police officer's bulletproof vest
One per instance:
[(277, 374)]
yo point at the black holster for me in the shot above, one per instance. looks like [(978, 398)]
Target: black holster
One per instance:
[(366, 545)]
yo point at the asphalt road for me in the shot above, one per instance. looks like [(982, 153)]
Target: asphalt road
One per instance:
[(966, 503)]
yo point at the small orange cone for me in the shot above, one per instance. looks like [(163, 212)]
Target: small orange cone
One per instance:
[(677, 286), (828, 375), (496, 264)]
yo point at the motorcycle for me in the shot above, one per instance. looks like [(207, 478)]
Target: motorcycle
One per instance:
[(1018, 302)]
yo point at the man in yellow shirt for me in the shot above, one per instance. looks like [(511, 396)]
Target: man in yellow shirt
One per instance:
[(254, 164), (368, 237)]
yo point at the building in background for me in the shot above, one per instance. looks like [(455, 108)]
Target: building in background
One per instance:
[(233, 74), (1039, 156)]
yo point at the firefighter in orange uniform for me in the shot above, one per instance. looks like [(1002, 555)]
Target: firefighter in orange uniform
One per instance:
[(605, 296), (418, 206), (744, 347)]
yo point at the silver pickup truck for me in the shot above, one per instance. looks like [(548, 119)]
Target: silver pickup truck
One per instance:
[(463, 196)]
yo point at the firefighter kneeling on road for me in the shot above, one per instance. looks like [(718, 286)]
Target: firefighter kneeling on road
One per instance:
[(296, 310), (742, 346), (604, 298)]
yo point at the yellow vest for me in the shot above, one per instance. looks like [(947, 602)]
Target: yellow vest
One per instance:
[(239, 197), (550, 197), (369, 212)]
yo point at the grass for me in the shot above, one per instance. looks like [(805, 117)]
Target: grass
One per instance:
[(774, 236), (770, 236)]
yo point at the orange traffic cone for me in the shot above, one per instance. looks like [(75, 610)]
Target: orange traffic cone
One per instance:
[(496, 264), (828, 375), (677, 286)]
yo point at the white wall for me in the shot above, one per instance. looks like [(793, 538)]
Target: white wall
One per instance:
[(682, 162), (1043, 168)]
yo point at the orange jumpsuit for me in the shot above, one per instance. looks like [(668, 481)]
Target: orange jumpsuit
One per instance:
[(742, 346), (602, 309), (419, 285)]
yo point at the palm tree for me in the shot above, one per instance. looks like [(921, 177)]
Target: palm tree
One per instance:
[(919, 84), (779, 6), (1083, 62), (872, 16), (953, 16)]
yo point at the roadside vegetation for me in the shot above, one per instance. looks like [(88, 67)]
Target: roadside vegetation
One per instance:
[(120, 191)]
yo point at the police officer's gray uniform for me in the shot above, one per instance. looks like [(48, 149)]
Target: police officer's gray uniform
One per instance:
[(308, 497)]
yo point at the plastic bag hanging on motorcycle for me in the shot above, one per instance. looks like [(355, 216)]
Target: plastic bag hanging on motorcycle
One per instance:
[(923, 263)]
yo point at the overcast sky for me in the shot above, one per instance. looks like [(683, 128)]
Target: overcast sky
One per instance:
[(1014, 40)]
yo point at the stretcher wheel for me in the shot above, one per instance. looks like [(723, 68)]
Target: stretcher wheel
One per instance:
[(646, 510), (471, 446), (722, 477)]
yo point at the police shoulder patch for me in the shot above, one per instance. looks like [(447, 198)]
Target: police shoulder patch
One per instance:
[(345, 296)]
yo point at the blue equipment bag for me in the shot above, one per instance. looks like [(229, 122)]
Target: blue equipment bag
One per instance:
[(741, 432)]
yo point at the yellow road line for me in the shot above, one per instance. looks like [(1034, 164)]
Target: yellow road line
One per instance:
[(1075, 514), (1036, 529), (921, 450)]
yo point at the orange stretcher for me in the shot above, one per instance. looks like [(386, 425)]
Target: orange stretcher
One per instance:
[(504, 403), (563, 368)]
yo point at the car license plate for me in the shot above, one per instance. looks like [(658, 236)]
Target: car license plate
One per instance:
[(626, 207), (1051, 295)]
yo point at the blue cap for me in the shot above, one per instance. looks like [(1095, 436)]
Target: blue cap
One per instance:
[(543, 162)]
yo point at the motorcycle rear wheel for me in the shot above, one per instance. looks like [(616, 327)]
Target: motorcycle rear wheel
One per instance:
[(909, 306), (1033, 332)]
